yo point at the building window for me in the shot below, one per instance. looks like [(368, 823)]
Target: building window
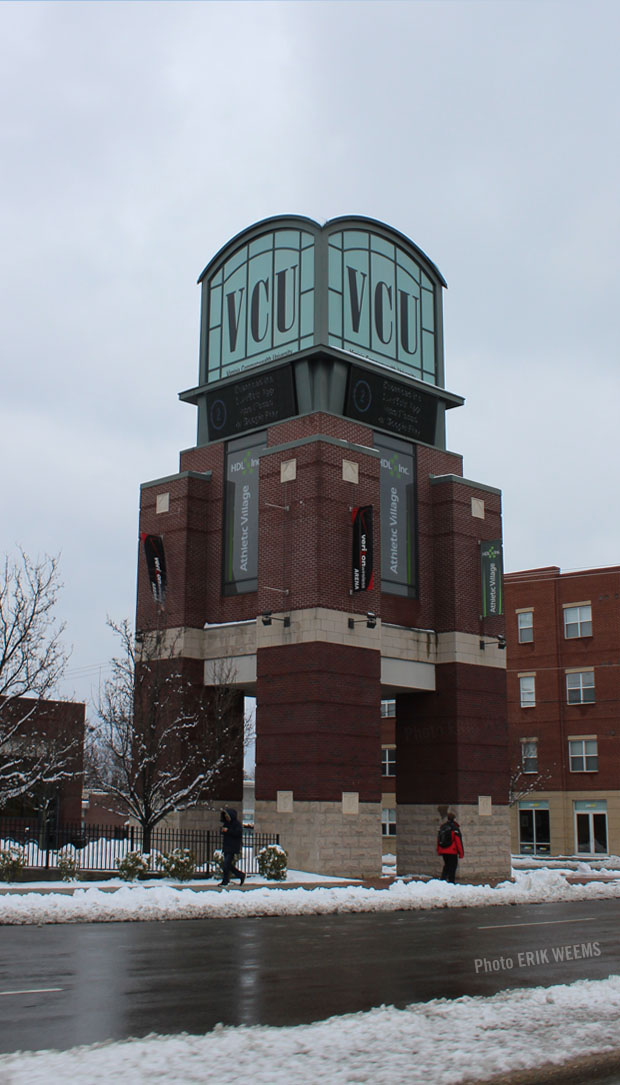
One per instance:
[(388, 761), (388, 823), (525, 626), (580, 687), (388, 708), (527, 690), (578, 621), (534, 836), (529, 755), (583, 754), (591, 827)]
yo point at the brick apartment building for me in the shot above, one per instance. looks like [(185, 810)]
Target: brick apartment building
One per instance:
[(57, 721), (563, 682)]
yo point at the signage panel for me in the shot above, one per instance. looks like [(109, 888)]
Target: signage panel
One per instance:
[(251, 403), (397, 490), (260, 302), (241, 518), (491, 572), (382, 303), (388, 404)]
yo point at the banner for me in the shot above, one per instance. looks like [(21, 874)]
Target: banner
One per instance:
[(362, 548), (491, 573), (156, 565), (398, 562)]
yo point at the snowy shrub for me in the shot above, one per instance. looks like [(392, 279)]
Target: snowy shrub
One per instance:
[(272, 863), (12, 863), (68, 866), (178, 863), (218, 864), (132, 866)]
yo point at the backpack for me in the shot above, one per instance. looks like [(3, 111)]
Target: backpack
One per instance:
[(444, 836)]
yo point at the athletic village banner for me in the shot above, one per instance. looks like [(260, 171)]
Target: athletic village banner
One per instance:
[(491, 571)]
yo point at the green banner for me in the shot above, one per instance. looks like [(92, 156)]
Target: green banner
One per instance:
[(491, 578)]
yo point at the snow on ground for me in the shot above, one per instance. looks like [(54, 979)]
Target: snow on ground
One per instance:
[(442, 1041), (164, 901)]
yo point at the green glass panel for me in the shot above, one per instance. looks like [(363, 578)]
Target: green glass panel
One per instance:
[(335, 269), (408, 315), (215, 307), (261, 244), (234, 317), (426, 282), (307, 341), (428, 311), (428, 352), (335, 318), (306, 324), (384, 324), (306, 239), (287, 239), (336, 239), (260, 301), (307, 269), (357, 306), (380, 245), (286, 296), (236, 260), (355, 239), (215, 346), (408, 265)]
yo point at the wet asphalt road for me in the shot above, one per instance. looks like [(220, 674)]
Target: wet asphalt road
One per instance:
[(80, 983)]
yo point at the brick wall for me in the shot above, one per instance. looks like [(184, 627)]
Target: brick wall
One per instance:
[(452, 743), (318, 722)]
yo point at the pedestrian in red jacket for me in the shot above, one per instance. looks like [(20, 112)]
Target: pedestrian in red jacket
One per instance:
[(450, 845)]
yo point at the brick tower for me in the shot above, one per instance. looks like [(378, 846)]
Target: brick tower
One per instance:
[(322, 540)]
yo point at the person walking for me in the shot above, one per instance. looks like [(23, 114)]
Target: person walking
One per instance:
[(450, 845), (232, 838)]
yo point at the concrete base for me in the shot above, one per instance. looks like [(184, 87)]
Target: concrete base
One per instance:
[(486, 840), (321, 839)]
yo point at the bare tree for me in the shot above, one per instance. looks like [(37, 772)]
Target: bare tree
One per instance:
[(522, 783), (163, 743), (36, 753)]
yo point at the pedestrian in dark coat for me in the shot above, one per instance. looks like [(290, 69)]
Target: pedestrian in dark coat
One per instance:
[(450, 845), (232, 838)]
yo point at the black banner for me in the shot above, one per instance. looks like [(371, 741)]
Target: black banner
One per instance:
[(156, 565), (362, 548)]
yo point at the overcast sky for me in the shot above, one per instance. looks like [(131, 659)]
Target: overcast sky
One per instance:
[(137, 138)]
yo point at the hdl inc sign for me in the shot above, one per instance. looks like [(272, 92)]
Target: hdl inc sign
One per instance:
[(287, 285)]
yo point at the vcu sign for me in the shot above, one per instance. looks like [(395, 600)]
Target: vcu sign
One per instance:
[(288, 284)]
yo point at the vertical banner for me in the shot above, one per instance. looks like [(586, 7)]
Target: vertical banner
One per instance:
[(362, 548), (241, 517), (491, 578), (397, 490), (156, 565)]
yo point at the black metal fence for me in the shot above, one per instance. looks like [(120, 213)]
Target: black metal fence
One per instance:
[(97, 847)]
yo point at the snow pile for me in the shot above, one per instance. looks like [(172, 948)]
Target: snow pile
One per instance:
[(161, 901), (443, 1041)]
